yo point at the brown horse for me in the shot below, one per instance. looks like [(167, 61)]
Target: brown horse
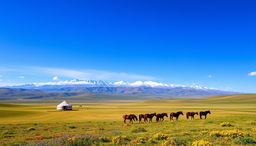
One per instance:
[(204, 113), (160, 117), (176, 115), (142, 116), (150, 117), (191, 114), (130, 117)]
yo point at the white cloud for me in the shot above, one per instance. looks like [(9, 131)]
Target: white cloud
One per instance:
[(83, 74), (209, 76), (252, 74), (90, 74), (56, 78), (21, 77)]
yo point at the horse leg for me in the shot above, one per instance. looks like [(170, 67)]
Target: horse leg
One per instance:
[(200, 116), (205, 117), (124, 121)]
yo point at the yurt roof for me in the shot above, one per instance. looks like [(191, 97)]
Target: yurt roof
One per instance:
[(64, 103)]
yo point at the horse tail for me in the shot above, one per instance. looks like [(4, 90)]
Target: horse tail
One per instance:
[(124, 116)]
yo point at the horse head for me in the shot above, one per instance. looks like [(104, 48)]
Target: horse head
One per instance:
[(209, 111), (180, 112), (125, 116), (165, 114)]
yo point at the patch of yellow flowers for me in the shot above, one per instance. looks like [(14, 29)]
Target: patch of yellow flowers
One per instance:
[(204, 132), (31, 129), (160, 136), (120, 140), (202, 143), (226, 124), (185, 133), (170, 142), (140, 140), (230, 133)]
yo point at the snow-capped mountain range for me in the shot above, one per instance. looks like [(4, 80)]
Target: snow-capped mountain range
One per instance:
[(100, 83), (103, 90)]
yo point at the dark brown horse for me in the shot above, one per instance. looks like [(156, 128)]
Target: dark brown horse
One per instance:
[(160, 117), (176, 115), (204, 113), (191, 114), (150, 117), (142, 116), (130, 117)]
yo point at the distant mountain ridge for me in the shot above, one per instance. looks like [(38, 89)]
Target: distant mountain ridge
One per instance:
[(84, 89), (100, 83)]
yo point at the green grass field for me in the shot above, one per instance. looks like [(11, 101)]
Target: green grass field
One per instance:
[(102, 124)]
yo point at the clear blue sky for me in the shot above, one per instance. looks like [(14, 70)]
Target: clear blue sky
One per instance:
[(211, 43)]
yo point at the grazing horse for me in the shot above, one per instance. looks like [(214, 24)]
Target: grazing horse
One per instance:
[(204, 113), (160, 117), (130, 117), (150, 117), (176, 115), (142, 116), (191, 114)]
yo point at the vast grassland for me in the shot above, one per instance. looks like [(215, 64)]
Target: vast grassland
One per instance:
[(232, 122)]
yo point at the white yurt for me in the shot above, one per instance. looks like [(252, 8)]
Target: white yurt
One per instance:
[(64, 106)]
